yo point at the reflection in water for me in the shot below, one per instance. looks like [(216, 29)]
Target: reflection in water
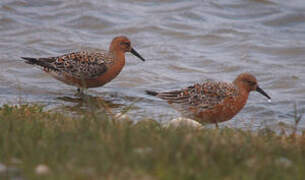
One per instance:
[(87, 103)]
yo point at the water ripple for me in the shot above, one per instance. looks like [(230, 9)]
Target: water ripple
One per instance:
[(183, 41)]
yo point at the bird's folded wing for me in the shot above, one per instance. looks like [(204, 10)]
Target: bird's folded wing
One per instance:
[(200, 96), (82, 65)]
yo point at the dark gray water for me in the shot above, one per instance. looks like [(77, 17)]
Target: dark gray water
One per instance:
[(183, 41)]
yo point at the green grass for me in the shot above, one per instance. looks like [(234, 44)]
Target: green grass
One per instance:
[(94, 146)]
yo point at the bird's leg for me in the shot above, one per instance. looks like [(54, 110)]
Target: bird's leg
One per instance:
[(80, 92), (216, 125)]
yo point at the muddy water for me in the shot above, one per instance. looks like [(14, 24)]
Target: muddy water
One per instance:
[(183, 41)]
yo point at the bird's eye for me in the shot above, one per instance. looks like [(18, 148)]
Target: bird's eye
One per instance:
[(125, 43), (251, 83)]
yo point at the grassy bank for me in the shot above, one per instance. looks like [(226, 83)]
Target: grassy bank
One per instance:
[(41, 145)]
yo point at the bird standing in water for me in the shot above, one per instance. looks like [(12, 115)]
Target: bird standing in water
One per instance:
[(88, 69)]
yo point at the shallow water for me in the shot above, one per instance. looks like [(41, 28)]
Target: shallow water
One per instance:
[(183, 41)]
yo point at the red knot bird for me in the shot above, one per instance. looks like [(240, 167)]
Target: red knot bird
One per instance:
[(88, 69), (211, 101)]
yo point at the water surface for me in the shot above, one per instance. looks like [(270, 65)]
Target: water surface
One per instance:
[(183, 41)]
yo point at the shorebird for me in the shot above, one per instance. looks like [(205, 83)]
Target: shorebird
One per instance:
[(88, 69), (212, 101)]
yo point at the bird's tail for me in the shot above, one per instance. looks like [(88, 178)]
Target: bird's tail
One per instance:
[(39, 62), (152, 93), (31, 60)]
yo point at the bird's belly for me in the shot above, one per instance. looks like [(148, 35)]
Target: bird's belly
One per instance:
[(222, 112), (86, 83)]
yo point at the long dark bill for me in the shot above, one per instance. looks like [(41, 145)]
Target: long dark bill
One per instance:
[(258, 89), (134, 52)]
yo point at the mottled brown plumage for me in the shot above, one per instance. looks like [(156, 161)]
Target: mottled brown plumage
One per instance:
[(211, 101), (87, 69)]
